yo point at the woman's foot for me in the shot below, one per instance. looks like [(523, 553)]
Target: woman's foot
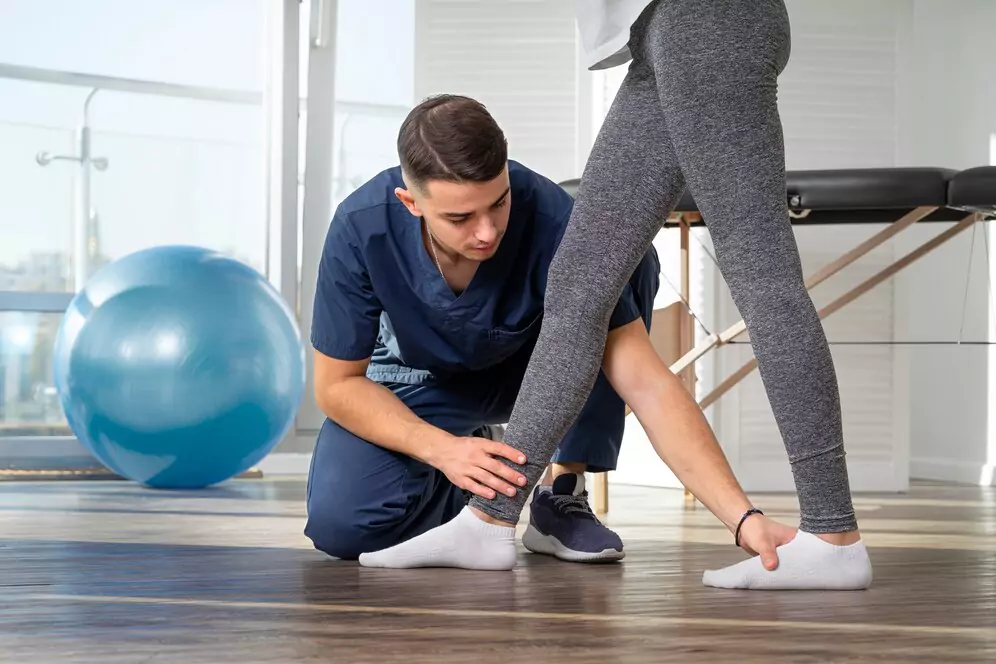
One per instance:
[(838, 561)]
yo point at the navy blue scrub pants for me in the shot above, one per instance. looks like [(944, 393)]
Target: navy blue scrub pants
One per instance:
[(362, 497)]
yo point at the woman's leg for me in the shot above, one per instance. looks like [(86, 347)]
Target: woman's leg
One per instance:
[(631, 182), (718, 88)]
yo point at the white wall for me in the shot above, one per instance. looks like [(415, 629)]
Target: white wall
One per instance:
[(949, 99), (519, 59)]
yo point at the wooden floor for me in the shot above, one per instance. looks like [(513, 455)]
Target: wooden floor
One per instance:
[(104, 571)]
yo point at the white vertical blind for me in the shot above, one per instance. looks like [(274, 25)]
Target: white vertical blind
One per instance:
[(519, 58)]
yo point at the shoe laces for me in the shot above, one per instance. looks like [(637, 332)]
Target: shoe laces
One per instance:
[(568, 503)]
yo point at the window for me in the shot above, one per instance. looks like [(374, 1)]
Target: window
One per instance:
[(127, 126), (167, 164), (36, 206), (28, 401), (374, 87), (179, 171)]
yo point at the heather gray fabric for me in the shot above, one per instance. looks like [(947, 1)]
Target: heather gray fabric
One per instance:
[(698, 106)]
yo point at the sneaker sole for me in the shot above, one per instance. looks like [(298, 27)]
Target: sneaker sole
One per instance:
[(549, 545)]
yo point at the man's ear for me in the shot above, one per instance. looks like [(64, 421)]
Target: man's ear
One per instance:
[(408, 200)]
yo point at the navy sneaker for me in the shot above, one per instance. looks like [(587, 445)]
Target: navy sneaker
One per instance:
[(562, 524)]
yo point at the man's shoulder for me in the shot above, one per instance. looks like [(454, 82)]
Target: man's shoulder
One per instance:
[(370, 209), (543, 195), (546, 204)]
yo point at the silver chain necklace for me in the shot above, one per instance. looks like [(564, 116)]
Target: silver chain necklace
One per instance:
[(435, 258)]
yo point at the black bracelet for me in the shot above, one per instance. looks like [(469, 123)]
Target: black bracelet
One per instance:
[(753, 510)]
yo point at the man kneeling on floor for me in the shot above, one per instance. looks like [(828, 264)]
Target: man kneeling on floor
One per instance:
[(429, 300)]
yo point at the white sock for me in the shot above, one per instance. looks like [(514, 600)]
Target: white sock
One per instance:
[(805, 563), (465, 541)]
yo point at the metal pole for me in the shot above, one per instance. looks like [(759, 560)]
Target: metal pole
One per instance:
[(83, 209), (82, 213)]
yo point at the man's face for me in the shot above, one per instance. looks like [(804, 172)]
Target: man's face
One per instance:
[(468, 218)]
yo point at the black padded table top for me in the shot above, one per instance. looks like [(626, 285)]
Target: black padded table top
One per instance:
[(974, 188), (875, 195)]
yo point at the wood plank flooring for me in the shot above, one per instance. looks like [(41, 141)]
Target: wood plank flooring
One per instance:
[(105, 571)]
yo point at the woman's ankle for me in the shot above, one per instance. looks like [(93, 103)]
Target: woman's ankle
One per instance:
[(487, 518), (841, 539)]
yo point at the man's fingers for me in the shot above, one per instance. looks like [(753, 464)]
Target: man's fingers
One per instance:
[(487, 479), (495, 448), (484, 492), (496, 467)]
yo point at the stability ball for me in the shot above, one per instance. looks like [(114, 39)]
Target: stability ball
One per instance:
[(178, 367)]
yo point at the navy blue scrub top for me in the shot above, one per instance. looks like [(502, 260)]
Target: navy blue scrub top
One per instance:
[(380, 295)]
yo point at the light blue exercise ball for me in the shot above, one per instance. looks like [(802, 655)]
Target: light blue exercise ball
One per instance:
[(178, 367)]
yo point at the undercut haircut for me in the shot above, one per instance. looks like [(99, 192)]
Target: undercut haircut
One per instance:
[(451, 138)]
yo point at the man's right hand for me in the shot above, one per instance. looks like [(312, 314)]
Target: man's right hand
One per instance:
[(474, 465)]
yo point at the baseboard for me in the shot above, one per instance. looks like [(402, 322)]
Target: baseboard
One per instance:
[(949, 470), (51, 453), (285, 463)]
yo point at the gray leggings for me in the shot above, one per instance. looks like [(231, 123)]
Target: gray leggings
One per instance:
[(697, 108)]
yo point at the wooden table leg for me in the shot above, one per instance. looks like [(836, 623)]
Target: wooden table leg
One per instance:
[(687, 330), (600, 493)]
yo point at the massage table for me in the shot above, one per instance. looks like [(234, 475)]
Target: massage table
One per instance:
[(899, 197)]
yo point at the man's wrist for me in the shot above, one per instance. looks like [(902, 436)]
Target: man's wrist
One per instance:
[(733, 511), (425, 441)]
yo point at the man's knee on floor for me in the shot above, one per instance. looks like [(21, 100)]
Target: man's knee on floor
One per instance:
[(345, 533)]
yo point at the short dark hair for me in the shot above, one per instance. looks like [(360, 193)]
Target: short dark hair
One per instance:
[(451, 138)]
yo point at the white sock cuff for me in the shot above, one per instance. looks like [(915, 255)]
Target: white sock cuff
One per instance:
[(812, 540), (485, 529)]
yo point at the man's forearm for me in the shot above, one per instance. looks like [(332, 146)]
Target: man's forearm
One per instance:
[(673, 421), (372, 412)]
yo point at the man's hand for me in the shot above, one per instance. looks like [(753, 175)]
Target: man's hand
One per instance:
[(760, 536), (473, 465)]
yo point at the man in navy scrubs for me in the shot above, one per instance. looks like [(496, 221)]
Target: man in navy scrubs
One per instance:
[(429, 300)]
